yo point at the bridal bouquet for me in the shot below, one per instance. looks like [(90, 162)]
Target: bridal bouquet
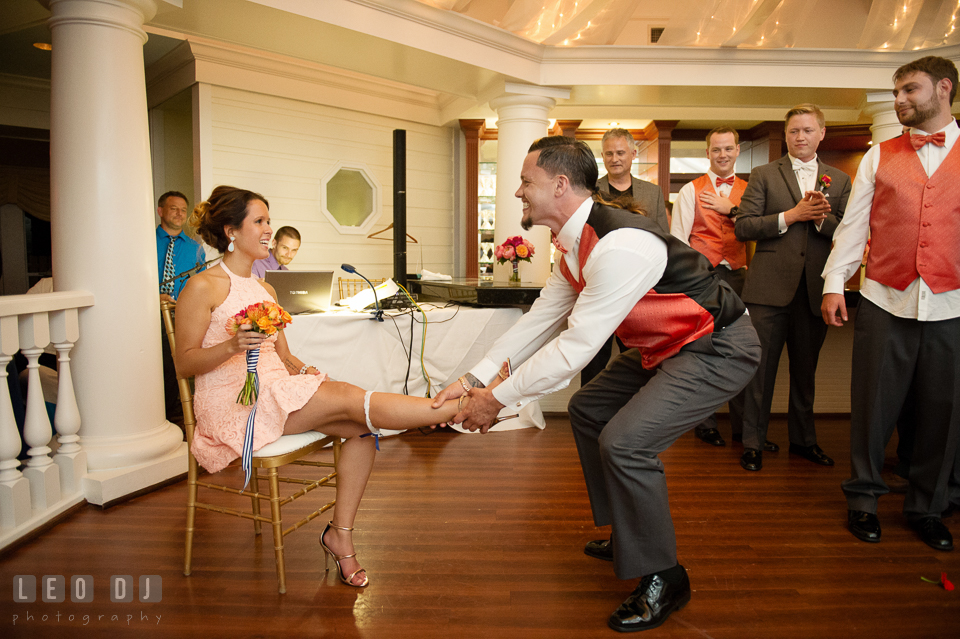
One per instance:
[(513, 250), (267, 318)]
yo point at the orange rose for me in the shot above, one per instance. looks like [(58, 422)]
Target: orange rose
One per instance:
[(523, 252)]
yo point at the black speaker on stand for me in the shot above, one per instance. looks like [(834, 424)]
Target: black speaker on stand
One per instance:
[(400, 207)]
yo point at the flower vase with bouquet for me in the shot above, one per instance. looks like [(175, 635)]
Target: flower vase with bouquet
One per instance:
[(513, 250)]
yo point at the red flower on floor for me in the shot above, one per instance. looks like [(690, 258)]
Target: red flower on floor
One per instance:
[(947, 585)]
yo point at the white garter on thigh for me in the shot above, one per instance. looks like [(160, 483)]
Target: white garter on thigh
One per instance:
[(366, 413)]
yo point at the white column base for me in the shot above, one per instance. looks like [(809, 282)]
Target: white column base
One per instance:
[(73, 466), (105, 486), (14, 503), (120, 451), (44, 485)]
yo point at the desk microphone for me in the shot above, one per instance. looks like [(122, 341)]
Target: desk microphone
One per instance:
[(190, 272), (378, 315)]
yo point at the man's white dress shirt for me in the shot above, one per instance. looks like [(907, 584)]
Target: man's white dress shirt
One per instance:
[(623, 266)]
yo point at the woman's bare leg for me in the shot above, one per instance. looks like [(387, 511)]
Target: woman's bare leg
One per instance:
[(337, 409)]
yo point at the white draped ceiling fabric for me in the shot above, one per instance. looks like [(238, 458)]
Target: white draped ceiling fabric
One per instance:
[(893, 25)]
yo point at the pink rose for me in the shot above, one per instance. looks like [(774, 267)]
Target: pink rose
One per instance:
[(509, 252)]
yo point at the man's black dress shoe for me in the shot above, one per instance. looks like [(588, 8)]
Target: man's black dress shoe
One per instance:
[(811, 453), (864, 526), (933, 533), (768, 446), (752, 459), (601, 549), (710, 436), (650, 604)]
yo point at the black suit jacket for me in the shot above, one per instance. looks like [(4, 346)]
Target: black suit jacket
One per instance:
[(780, 260)]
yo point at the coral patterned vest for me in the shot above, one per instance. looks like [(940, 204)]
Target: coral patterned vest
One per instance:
[(915, 220), (712, 233), (687, 303)]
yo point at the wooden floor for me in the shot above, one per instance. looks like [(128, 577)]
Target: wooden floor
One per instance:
[(482, 536)]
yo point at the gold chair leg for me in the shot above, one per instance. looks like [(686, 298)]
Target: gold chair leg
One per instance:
[(277, 528), (255, 499), (191, 513)]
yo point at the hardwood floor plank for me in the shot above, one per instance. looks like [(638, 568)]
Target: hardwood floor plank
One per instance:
[(482, 536)]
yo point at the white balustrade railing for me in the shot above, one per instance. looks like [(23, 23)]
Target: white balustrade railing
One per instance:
[(29, 324)]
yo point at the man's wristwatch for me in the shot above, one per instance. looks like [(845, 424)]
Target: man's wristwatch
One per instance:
[(733, 211)]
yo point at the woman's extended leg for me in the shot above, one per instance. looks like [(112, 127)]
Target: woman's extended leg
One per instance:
[(337, 408)]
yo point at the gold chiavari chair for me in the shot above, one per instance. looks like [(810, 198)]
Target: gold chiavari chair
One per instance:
[(350, 287), (288, 450)]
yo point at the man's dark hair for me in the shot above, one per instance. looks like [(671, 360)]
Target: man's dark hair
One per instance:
[(565, 156), (286, 231), (935, 67), (163, 198)]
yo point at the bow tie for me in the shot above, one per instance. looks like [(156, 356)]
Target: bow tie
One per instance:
[(557, 245), (726, 180), (809, 167), (938, 139)]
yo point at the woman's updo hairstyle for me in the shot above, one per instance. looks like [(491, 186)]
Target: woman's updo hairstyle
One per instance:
[(226, 206)]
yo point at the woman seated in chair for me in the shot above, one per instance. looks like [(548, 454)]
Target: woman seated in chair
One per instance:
[(293, 397)]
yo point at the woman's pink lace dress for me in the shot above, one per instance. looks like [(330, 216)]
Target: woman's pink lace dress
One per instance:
[(221, 421)]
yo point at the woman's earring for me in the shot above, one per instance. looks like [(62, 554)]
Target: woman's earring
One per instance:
[(231, 247)]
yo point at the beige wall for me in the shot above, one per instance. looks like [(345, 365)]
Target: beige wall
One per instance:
[(282, 148)]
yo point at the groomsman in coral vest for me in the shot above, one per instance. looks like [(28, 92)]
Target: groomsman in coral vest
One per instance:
[(791, 208), (702, 220), (906, 197)]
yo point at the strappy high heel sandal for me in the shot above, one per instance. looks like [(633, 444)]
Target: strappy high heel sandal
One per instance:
[(328, 554)]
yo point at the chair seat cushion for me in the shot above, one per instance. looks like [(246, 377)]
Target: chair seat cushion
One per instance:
[(289, 443)]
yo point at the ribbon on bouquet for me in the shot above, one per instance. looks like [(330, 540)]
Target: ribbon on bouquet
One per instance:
[(247, 456)]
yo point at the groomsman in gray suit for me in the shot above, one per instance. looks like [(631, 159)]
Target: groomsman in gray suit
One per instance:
[(791, 208), (619, 152)]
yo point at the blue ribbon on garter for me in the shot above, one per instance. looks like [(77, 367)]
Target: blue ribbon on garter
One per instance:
[(247, 457), (376, 437)]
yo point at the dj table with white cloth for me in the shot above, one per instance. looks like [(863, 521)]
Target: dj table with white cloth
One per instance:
[(351, 347)]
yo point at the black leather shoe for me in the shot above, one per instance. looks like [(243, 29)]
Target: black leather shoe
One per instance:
[(650, 604), (811, 453), (711, 436), (933, 533), (601, 549), (768, 446), (752, 459), (864, 526)]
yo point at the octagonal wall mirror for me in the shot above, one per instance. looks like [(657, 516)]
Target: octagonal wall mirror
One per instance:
[(350, 197)]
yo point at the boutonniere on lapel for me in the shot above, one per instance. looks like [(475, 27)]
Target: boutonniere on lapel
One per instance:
[(823, 183)]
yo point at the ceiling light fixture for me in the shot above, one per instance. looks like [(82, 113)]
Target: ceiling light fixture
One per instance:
[(44, 46)]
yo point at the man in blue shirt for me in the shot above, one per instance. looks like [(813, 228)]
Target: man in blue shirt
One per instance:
[(185, 252)]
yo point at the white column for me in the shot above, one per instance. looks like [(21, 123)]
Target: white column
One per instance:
[(103, 235), (879, 106), (521, 119)]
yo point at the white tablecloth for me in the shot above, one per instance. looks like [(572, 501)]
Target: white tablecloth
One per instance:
[(351, 347)]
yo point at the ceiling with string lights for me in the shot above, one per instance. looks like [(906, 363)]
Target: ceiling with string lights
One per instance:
[(894, 25)]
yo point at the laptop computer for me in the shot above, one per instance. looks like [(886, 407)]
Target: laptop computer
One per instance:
[(302, 291)]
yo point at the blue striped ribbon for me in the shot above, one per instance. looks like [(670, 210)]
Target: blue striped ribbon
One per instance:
[(247, 462)]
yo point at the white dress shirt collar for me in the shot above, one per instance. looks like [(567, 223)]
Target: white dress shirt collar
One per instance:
[(569, 236), (812, 162), (951, 132)]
